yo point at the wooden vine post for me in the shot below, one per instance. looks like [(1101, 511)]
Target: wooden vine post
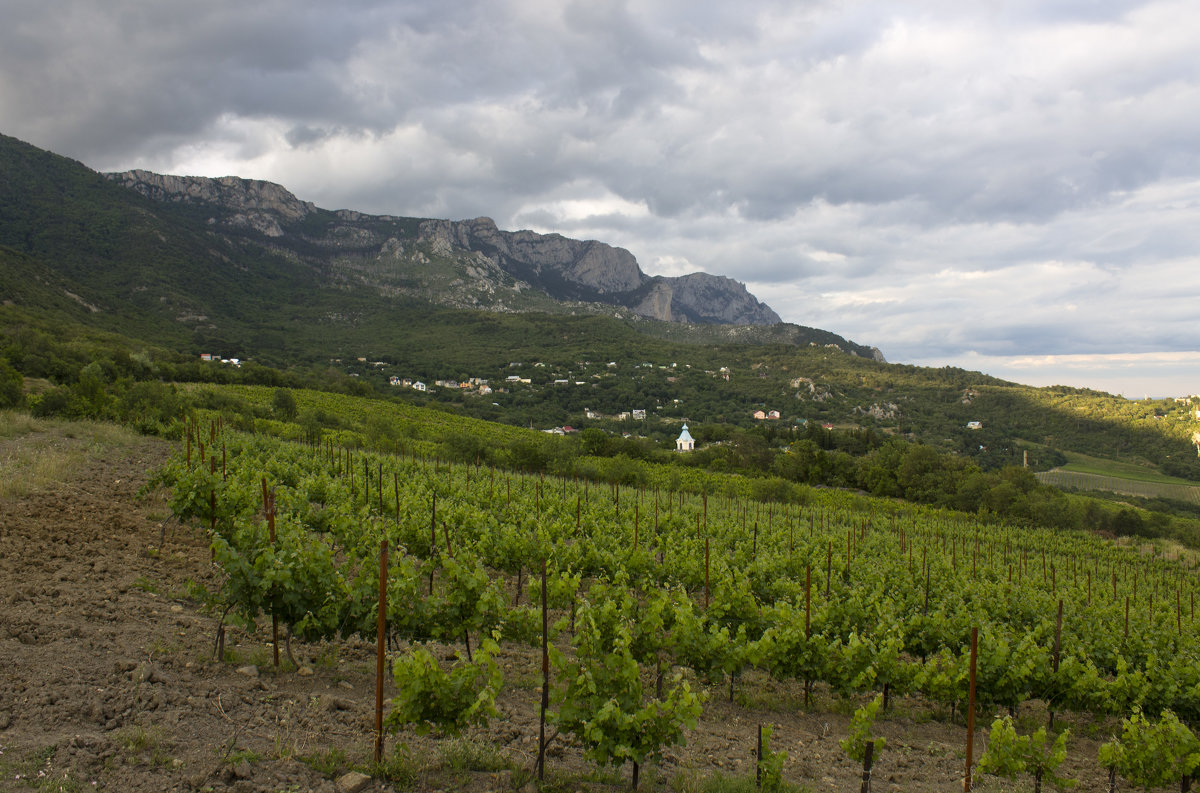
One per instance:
[(971, 708), (269, 510), (828, 566), (758, 761), (1057, 652), (380, 644), (432, 538), (541, 761), (807, 624), (868, 759), (706, 574)]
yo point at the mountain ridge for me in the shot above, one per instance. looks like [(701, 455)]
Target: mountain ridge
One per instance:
[(586, 271), (245, 266)]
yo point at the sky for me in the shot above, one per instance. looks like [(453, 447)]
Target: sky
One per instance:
[(1007, 186)]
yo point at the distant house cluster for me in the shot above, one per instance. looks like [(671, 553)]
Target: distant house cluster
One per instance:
[(767, 415), (637, 414), (206, 356), (473, 385)]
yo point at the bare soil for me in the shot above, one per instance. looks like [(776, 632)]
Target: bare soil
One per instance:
[(108, 679)]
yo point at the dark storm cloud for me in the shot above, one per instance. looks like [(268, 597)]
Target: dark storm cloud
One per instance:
[(931, 176)]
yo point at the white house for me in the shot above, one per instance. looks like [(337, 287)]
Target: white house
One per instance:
[(685, 442), (974, 425), (419, 386)]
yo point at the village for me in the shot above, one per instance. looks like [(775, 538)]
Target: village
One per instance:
[(540, 383)]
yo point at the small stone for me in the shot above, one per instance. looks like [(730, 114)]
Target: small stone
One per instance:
[(346, 684), (250, 670), (304, 671), (352, 782), (177, 608), (242, 771)]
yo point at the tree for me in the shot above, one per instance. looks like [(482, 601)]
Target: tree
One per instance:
[(284, 404), (11, 391)]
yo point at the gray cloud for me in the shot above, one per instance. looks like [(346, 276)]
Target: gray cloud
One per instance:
[(937, 178)]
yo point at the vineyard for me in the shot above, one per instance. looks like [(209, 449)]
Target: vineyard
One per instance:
[(657, 598), (1077, 480)]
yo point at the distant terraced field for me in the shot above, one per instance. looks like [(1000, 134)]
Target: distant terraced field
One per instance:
[(1117, 484)]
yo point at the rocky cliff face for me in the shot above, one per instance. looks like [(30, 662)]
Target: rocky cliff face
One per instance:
[(577, 271), (593, 271), (255, 204)]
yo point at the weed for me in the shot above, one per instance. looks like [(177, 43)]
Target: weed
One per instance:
[(327, 657), (145, 584), (33, 769), (238, 756), (137, 740), (519, 777), (62, 782), (463, 754), (685, 782), (161, 646), (330, 763), (399, 767)]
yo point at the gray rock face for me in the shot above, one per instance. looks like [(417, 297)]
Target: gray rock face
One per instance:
[(230, 192), (705, 299), (589, 264), (255, 204), (563, 268), (590, 270)]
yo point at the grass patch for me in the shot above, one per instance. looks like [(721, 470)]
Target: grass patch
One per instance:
[(145, 584), (399, 767), (684, 782), (557, 782), (330, 764), (14, 423), (239, 756), (1140, 488), (35, 770), (464, 754), (49, 451), (1085, 464), (137, 741), (35, 465), (327, 656)]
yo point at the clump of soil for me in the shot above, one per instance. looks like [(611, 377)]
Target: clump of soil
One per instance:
[(108, 679)]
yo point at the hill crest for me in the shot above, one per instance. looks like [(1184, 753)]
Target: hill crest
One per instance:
[(565, 269)]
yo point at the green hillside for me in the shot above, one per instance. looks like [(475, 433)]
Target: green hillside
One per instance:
[(95, 273)]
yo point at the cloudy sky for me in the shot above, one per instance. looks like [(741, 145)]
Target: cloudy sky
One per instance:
[(1007, 186)]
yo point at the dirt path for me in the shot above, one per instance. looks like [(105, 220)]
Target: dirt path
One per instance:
[(107, 680)]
